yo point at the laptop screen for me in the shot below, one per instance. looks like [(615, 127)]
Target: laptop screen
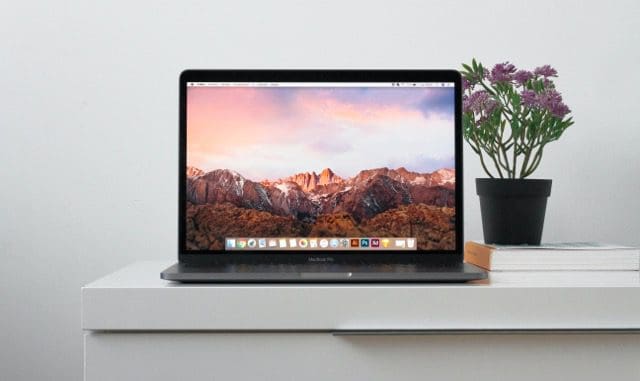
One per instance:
[(302, 167)]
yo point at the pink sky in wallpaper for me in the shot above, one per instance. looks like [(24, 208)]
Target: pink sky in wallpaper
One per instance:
[(268, 133)]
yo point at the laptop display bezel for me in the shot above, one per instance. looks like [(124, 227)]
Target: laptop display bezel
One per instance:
[(330, 255)]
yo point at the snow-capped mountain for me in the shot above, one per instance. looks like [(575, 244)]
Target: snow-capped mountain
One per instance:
[(307, 195), (309, 181)]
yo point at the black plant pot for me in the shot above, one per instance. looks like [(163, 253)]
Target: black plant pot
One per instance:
[(513, 210)]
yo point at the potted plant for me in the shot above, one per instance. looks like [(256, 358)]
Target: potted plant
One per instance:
[(509, 116)]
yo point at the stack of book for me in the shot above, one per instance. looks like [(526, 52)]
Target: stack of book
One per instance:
[(571, 256)]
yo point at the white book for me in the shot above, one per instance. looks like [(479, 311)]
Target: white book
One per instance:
[(553, 256), (574, 278)]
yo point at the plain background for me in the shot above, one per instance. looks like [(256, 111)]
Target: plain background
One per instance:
[(88, 125)]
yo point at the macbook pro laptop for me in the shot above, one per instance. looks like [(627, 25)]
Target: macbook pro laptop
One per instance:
[(320, 176)]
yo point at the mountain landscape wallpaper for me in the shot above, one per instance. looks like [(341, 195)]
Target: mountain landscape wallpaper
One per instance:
[(320, 162)]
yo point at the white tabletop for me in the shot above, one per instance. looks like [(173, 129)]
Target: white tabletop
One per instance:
[(135, 298)]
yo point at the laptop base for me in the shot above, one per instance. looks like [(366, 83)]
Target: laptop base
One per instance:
[(322, 273)]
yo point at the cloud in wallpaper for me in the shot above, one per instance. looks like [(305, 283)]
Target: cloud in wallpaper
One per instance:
[(267, 133)]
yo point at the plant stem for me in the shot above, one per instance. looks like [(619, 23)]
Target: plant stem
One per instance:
[(502, 150), (497, 166), (526, 162), (515, 162), (506, 159), (536, 161), (484, 166), (500, 155)]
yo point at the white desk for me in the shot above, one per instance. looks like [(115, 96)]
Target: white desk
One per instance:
[(552, 326)]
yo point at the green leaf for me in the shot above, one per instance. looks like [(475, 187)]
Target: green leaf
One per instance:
[(515, 126)]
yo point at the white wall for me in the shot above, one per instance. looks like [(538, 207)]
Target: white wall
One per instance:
[(88, 125)]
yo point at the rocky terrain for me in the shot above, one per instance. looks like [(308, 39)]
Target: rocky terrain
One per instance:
[(375, 202), (433, 227), (204, 230)]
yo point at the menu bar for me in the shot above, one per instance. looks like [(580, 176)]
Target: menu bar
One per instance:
[(321, 243), (320, 84)]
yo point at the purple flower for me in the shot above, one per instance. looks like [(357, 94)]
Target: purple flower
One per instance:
[(479, 102), (465, 84), (466, 106), (549, 99), (529, 98), (502, 72), (559, 110), (546, 71), (522, 76)]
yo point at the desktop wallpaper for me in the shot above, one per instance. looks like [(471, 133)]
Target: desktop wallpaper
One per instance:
[(320, 162)]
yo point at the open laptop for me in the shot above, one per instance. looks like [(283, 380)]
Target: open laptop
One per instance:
[(320, 176)]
